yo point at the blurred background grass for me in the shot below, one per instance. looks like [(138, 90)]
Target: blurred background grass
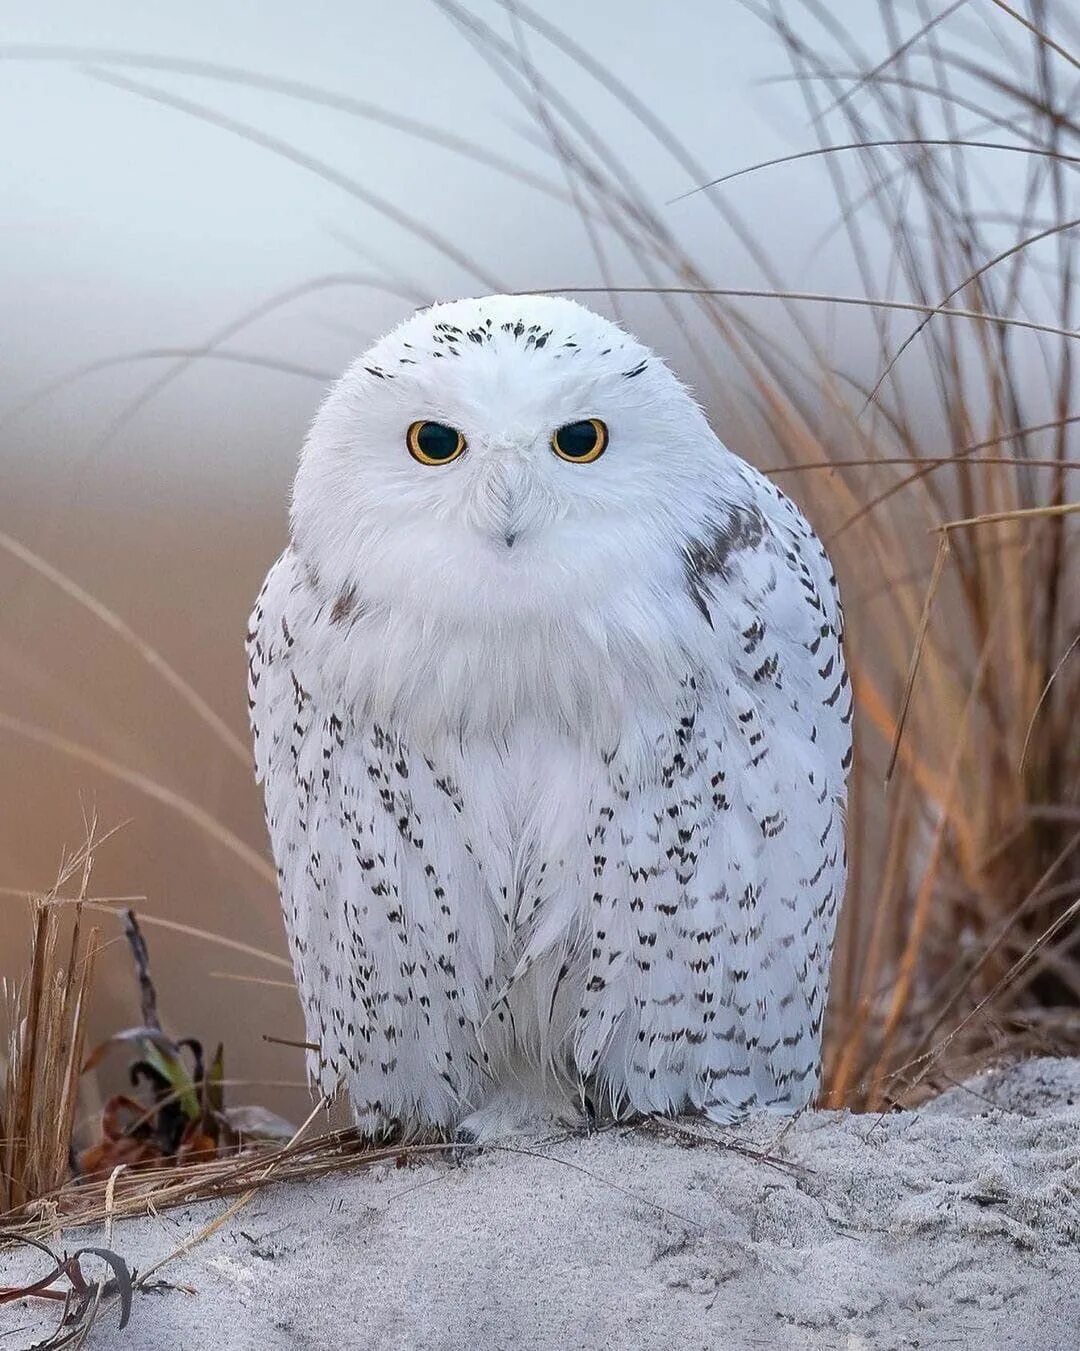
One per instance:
[(207, 214)]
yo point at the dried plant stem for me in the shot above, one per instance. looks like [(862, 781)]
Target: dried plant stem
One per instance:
[(38, 1100)]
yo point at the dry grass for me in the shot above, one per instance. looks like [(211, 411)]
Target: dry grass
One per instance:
[(44, 1055), (944, 482), (958, 937)]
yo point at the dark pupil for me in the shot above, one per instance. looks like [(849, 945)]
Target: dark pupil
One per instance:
[(577, 439), (437, 441)]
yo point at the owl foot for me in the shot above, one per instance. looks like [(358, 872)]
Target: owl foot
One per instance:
[(725, 1113), (465, 1146), (507, 1115)]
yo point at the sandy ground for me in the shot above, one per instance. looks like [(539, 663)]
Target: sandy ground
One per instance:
[(957, 1225)]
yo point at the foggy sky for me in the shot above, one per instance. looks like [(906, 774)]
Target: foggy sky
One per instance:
[(128, 225)]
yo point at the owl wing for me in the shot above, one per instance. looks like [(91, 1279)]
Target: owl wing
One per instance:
[(717, 888), (375, 865)]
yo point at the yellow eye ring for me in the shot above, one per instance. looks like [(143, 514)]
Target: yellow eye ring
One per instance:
[(434, 443), (581, 442)]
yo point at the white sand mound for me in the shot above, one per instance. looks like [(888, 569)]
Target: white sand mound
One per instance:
[(957, 1225)]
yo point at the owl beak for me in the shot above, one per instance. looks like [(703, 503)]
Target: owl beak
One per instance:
[(506, 494)]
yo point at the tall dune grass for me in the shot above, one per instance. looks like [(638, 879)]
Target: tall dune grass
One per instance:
[(944, 482), (958, 936)]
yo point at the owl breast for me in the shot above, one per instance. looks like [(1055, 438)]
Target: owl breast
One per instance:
[(588, 856)]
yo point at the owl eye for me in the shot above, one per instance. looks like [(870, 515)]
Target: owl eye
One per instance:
[(434, 442), (581, 442)]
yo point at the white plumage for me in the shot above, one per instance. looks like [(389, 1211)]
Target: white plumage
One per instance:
[(554, 753)]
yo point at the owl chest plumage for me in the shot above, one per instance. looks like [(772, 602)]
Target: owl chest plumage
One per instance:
[(599, 853)]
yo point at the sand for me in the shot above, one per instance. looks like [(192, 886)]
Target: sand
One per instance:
[(955, 1225)]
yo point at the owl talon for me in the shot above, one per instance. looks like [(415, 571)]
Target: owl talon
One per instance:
[(466, 1145)]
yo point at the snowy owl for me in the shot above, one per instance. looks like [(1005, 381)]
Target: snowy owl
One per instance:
[(552, 717)]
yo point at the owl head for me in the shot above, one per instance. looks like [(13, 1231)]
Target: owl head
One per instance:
[(496, 456)]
